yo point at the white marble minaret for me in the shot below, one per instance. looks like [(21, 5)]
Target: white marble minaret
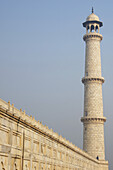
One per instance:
[(93, 120)]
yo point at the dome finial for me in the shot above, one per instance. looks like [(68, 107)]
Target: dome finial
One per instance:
[(92, 10)]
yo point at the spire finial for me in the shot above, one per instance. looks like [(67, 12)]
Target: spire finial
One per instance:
[(92, 10)]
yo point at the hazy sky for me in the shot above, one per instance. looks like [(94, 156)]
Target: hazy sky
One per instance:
[(42, 57)]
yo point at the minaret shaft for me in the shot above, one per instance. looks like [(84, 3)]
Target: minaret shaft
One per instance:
[(93, 120), (94, 139), (93, 58), (93, 102)]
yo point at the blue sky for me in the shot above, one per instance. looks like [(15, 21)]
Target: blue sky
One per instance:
[(42, 57)]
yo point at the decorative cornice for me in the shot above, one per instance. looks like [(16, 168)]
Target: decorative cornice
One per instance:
[(92, 35), (96, 79)]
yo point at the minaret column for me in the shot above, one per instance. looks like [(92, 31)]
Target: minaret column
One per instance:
[(93, 120)]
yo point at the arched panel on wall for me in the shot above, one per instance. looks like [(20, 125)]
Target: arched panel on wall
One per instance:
[(15, 167), (26, 167), (2, 165)]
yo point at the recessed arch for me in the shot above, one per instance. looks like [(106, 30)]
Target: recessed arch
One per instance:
[(2, 165), (92, 28), (88, 30), (97, 29)]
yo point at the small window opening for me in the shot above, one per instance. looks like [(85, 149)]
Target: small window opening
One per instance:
[(97, 29), (86, 114), (86, 73), (97, 157), (92, 28)]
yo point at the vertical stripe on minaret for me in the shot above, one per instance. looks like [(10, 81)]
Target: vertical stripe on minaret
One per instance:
[(93, 120)]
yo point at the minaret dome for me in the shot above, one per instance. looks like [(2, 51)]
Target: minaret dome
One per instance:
[(92, 23)]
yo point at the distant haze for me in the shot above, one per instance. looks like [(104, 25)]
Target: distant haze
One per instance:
[(42, 59)]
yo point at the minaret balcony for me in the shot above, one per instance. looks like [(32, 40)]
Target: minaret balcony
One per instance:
[(92, 35), (96, 79), (93, 119)]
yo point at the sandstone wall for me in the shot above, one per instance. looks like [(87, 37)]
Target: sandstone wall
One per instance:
[(26, 144)]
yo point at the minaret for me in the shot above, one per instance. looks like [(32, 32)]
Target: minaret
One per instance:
[(93, 120)]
